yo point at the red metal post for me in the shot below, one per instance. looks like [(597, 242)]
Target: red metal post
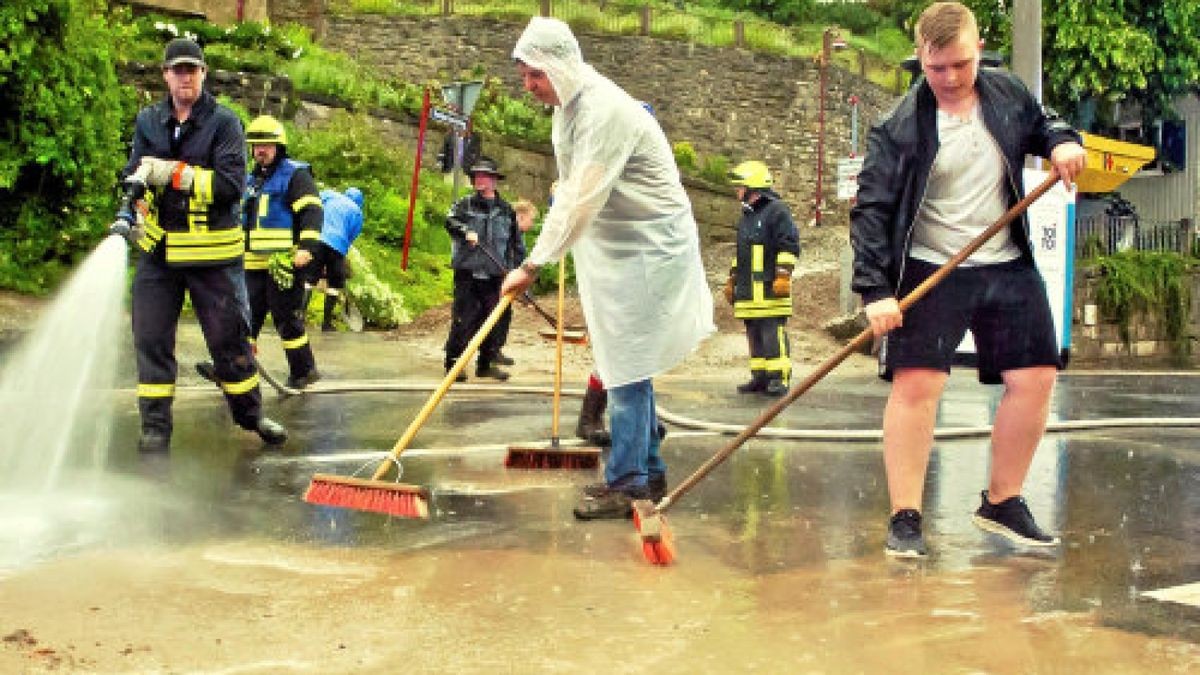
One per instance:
[(817, 198), (416, 177)]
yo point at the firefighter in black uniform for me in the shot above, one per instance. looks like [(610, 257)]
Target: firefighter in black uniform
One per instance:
[(760, 281), (283, 217), (480, 220), (188, 153)]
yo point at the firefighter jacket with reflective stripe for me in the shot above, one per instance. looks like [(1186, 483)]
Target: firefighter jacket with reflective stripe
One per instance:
[(198, 226), (282, 208), (496, 224), (766, 239)]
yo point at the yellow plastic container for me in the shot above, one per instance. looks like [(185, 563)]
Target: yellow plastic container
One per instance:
[(1110, 162)]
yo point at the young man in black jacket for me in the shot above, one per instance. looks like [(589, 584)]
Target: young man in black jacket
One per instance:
[(941, 168), (190, 153)]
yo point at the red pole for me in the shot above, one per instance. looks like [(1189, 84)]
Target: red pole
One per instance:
[(416, 178)]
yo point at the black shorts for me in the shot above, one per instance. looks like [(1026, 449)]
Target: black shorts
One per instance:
[(1004, 306)]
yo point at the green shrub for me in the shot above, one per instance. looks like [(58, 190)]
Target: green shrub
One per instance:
[(1152, 283), (685, 156), (715, 169)]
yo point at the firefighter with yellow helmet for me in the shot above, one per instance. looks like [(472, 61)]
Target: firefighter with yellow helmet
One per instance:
[(282, 217), (760, 279)]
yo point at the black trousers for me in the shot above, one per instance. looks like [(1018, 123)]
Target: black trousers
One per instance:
[(286, 306), (218, 296), (769, 353), (474, 299)]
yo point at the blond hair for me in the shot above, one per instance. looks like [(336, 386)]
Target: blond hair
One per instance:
[(523, 206), (942, 23)]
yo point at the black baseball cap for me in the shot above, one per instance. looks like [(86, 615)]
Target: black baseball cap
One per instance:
[(183, 50)]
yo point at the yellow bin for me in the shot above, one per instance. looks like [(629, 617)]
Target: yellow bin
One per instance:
[(1110, 162)]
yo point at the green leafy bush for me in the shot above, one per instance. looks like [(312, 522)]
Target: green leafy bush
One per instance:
[(685, 156), (1152, 283), (62, 118)]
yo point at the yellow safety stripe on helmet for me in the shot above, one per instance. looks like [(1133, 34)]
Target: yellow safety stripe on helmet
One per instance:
[(255, 261), (306, 200), (756, 265), (296, 343), (150, 390), (310, 235), (242, 387), (270, 239), (785, 258), (202, 187)]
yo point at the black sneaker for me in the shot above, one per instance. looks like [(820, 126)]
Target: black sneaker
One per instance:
[(610, 504), (207, 370), (492, 372), (1011, 519), (304, 380), (270, 431), (502, 360), (154, 442), (904, 539)]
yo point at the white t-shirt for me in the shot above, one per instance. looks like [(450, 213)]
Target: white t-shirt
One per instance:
[(963, 196)]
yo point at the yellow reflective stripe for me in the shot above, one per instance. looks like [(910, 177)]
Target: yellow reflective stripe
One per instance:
[(255, 261), (296, 343), (310, 235), (270, 239), (202, 186), (746, 309), (785, 258), (264, 202), (756, 265), (242, 387), (757, 363), (146, 390), (306, 200), (253, 341), (208, 238)]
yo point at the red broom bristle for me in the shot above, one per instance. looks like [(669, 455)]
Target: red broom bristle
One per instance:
[(393, 499)]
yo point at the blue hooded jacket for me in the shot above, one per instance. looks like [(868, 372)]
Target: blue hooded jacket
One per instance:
[(343, 221)]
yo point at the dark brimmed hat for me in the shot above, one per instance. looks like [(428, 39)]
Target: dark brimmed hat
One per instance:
[(183, 50), (486, 165)]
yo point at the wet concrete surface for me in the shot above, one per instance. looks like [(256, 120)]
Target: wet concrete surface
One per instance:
[(209, 561)]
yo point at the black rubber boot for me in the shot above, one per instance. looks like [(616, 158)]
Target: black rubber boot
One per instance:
[(775, 388), (207, 370), (154, 442), (270, 431), (327, 319), (757, 383), (591, 417)]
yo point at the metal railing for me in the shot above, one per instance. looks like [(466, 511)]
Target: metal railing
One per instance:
[(1105, 235)]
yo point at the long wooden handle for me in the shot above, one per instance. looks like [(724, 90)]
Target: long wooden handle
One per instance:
[(526, 296), (861, 340), (558, 348), (436, 397)]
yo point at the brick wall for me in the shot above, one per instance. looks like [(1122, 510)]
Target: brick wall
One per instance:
[(1096, 341)]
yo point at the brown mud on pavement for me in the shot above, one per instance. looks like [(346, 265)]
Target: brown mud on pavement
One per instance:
[(259, 607)]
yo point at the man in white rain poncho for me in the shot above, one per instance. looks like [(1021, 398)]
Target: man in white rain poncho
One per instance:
[(622, 211)]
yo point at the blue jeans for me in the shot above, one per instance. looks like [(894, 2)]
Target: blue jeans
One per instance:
[(635, 442)]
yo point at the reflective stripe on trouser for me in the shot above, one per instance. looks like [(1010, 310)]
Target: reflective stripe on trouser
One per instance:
[(634, 427), (287, 312), (219, 299), (769, 353), (474, 299)]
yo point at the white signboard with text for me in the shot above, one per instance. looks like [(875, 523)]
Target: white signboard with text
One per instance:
[(1052, 233), (848, 169)]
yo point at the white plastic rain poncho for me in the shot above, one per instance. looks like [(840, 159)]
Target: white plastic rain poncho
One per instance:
[(622, 210)]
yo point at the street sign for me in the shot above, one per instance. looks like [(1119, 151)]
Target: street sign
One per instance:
[(848, 169), (449, 118)]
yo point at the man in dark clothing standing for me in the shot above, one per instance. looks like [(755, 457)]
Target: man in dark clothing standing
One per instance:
[(189, 153), (760, 279), (482, 220)]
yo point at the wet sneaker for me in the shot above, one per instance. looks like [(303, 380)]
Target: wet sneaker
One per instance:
[(904, 539), (1011, 519), (609, 504)]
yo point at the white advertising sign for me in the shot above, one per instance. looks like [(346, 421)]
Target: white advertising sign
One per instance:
[(848, 169)]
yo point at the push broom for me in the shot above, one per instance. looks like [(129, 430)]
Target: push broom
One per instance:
[(393, 497), (554, 456), (657, 541)]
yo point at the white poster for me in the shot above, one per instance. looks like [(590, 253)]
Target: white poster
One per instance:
[(1052, 233)]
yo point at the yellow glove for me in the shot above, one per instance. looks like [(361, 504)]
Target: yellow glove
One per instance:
[(728, 290), (279, 265), (782, 286)]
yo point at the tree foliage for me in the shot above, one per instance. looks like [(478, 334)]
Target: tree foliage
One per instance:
[(1100, 52), (62, 116)]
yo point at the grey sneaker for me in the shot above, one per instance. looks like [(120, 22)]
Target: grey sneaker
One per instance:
[(1011, 519), (904, 539)]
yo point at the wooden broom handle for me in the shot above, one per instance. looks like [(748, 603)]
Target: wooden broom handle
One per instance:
[(853, 346), (558, 348), (436, 397)]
